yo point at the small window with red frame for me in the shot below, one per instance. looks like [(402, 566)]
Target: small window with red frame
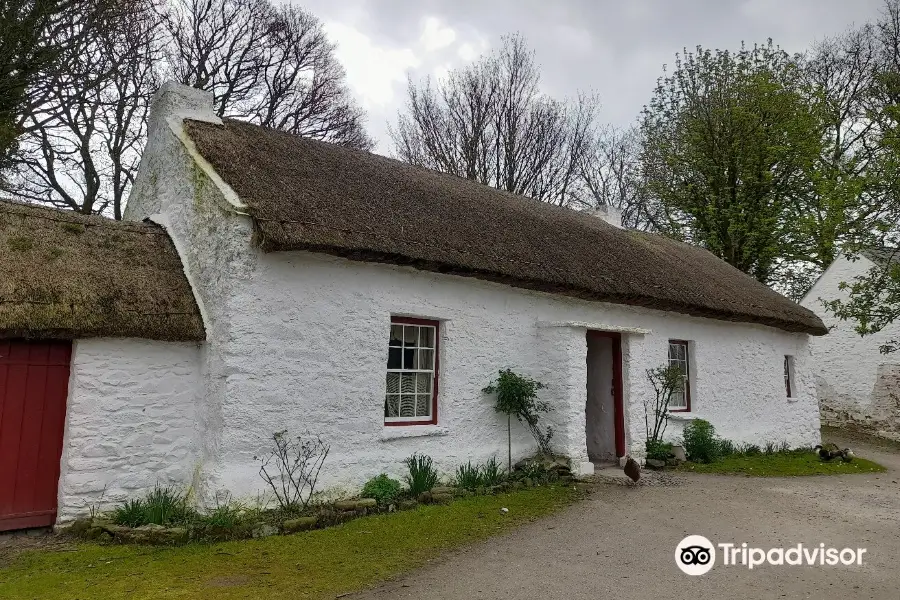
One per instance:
[(412, 372)]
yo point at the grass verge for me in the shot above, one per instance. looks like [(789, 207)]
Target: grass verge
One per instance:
[(312, 565), (782, 464)]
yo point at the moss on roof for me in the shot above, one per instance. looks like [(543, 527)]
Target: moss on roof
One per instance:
[(66, 275)]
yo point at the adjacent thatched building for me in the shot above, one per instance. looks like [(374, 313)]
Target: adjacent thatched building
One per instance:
[(354, 297)]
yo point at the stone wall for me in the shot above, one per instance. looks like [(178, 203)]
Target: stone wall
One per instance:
[(130, 421)]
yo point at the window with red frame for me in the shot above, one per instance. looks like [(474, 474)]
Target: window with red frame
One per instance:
[(412, 372), (680, 400)]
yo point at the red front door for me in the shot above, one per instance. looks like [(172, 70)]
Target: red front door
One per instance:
[(34, 381)]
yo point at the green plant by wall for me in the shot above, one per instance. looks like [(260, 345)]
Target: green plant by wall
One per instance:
[(666, 380), (162, 506), (517, 396), (384, 489), (422, 475), (700, 441), (658, 450)]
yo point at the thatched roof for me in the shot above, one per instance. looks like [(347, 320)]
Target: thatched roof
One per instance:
[(310, 195), (65, 275)]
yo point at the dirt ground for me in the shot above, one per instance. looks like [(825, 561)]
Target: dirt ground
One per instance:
[(620, 543)]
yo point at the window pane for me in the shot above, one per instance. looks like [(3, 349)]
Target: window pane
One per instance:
[(426, 337), (677, 400), (393, 383), (423, 405), (423, 383), (408, 405), (395, 358), (426, 360), (396, 335), (410, 335), (408, 383), (391, 406), (409, 358)]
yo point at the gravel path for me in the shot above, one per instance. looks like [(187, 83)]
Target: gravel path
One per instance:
[(620, 542)]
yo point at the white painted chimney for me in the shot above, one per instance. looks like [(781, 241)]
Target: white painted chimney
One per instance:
[(610, 214), (173, 101)]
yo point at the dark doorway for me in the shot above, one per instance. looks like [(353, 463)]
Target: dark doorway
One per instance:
[(605, 422)]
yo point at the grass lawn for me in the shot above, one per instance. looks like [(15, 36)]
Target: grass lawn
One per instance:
[(782, 464), (315, 564)]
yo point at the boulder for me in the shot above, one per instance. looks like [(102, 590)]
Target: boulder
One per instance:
[(79, 527), (300, 524), (424, 497), (366, 503), (653, 463), (345, 505), (679, 454), (262, 530), (407, 504), (441, 498), (442, 489)]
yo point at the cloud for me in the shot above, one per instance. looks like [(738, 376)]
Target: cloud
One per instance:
[(612, 47)]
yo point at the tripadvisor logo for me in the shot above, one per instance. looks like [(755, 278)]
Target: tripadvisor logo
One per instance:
[(696, 555)]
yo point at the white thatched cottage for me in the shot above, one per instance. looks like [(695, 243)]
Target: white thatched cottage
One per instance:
[(367, 301), (855, 383)]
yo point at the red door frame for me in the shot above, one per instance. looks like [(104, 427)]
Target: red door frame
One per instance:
[(618, 401), (34, 381)]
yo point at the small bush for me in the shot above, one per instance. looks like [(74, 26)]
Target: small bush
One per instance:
[(770, 448), (469, 477), (700, 441), (492, 473), (383, 489), (162, 506), (422, 476), (130, 513), (226, 515), (658, 449), (536, 471), (751, 450), (727, 448)]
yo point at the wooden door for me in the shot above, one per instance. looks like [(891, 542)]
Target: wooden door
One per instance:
[(34, 381)]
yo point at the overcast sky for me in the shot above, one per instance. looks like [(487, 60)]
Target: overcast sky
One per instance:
[(615, 48)]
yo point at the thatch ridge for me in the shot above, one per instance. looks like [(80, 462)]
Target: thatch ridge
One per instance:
[(315, 196), (65, 275)]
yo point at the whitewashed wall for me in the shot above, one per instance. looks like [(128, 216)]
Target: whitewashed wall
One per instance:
[(130, 421), (855, 383), (298, 341), (311, 355)]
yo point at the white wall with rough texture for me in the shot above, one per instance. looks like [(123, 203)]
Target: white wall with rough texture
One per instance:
[(311, 356), (130, 421), (854, 382)]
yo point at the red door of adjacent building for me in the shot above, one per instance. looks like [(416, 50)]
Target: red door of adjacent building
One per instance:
[(34, 381)]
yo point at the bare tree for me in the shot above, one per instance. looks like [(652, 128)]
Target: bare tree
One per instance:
[(37, 40), (612, 177), (489, 122), (271, 66), (83, 142)]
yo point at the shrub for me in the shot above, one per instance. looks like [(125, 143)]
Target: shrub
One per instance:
[(658, 450), (727, 448), (383, 489), (700, 442), (517, 396), (130, 513), (162, 506), (536, 471), (751, 450), (291, 469), (492, 473), (226, 515), (469, 477), (422, 476)]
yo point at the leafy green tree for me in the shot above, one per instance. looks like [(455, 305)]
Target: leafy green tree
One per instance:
[(729, 141)]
